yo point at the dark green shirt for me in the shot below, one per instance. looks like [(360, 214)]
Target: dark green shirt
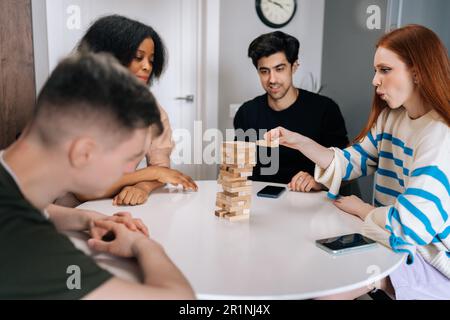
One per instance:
[(34, 257)]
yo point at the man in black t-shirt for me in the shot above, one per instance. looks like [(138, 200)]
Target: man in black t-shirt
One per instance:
[(91, 124), (275, 56)]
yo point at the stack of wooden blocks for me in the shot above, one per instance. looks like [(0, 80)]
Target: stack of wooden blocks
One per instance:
[(238, 160)]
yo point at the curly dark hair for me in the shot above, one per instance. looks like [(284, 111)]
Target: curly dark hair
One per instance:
[(121, 37)]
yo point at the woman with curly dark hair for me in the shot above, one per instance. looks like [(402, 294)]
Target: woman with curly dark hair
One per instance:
[(139, 48)]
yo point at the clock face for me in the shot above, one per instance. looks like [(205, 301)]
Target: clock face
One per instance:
[(276, 13)]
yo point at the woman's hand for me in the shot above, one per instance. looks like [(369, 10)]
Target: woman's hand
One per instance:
[(355, 206), (285, 137), (131, 196), (304, 182), (175, 177), (318, 154)]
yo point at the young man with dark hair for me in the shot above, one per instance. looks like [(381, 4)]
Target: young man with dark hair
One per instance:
[(91, 124), (275, 56)]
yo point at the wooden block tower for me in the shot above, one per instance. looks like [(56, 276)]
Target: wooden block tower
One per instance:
[(238, 160)]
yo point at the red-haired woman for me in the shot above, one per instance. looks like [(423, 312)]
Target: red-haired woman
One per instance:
[(407, 144)]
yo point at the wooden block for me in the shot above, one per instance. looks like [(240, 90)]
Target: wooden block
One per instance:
[(238, 145), (232, 169), (231, 209), (232, 203), (247, 189), (237, 184), (229, 174), (229, 151), (240, 211), (221, 213), (242, 217), (238, 153), (243, 174), (230, 179), (236, 149), (231, 197), (234, 144), (238, 160), (231, 161), (268, 144), (243, 203), (238, 194), (240, 157), (246, 174), (239, 149), (239, 165)]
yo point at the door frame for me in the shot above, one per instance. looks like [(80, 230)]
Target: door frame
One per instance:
[(394, 14), (208, 34)]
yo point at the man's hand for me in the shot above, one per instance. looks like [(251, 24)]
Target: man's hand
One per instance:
[(175, 177), (124, 243), (124, 218), (304, 182), (355, 206), (131, 196)]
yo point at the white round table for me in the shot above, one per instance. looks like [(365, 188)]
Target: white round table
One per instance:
[(271, 256)]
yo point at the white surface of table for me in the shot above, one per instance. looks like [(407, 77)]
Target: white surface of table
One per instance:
[(271, 256)]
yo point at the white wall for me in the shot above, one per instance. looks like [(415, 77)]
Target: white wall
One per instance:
[(55, 37), (239, 25), (40, 42), (434, 14)]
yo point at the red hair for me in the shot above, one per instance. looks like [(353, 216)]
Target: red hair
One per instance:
[(422, 51)]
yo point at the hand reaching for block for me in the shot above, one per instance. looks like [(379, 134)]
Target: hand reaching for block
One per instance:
[(268, 144), (284, 137)]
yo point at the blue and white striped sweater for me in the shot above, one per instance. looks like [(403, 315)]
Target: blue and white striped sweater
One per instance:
[(411, 163)]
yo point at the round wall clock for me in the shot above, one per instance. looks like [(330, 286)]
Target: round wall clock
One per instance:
[(276, 13)]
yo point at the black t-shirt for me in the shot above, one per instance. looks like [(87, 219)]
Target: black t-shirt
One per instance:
[(312, 115), (34, 257)]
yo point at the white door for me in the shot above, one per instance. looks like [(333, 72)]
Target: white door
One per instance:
[(175, 21)]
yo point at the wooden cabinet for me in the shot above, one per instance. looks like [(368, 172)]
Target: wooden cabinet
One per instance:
[(17, 78)]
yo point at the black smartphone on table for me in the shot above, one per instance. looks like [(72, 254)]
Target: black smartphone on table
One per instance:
[(271, 192), (346, 243)]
